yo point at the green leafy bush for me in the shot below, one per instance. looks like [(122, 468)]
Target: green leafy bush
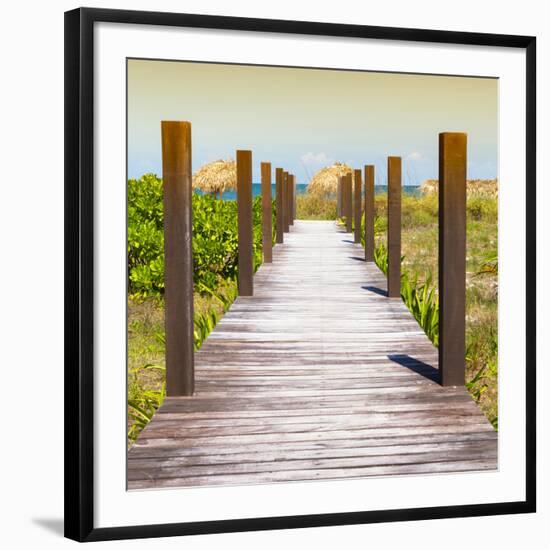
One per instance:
[(215, 238), (145, 236)]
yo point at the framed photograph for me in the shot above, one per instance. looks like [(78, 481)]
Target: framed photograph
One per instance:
[(299, 274)]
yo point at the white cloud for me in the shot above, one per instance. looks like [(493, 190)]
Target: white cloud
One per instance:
[(315, 159), (415, 155)]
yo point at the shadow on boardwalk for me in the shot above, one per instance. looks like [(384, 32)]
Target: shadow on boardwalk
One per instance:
[(416, 366)]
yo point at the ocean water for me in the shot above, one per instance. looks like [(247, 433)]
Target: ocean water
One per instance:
[(301, 188)]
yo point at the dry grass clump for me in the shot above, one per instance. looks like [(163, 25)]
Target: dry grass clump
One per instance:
[(216, 177), (315, 207), (481, 189), (325, 181)]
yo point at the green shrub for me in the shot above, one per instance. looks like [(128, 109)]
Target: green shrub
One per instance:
[(145, 236), (215, 238)]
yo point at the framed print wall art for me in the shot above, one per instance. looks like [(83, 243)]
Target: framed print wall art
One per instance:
[(300, 274)]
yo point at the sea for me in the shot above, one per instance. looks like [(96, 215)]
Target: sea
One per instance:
[(301, 188)]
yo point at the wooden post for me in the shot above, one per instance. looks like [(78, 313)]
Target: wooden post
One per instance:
[(267, 230), (348, 207), (344, 196), (244, 216), (292, 197), (357, 205), (369, 213), (291, 200), (279, 202), (394, 227), (339, 197), (289, 203), (286, 212), (452, 258), (178, 257)]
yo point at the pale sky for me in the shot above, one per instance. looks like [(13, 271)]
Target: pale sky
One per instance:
[(304, 119)]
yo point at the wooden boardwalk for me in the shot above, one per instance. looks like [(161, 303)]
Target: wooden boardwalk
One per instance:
[(317, 376)]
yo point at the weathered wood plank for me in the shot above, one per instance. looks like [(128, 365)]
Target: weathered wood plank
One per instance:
[(319, 474), (276, 438), (245, 455), (256, 418), (166, 471), (153, 449)]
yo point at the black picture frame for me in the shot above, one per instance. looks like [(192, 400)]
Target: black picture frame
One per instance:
[(79, 272)]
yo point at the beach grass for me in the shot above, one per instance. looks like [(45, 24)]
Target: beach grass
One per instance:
[(419, 242), (314, 207)]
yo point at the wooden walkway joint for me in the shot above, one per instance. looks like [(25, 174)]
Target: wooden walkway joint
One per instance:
[(317, 376)]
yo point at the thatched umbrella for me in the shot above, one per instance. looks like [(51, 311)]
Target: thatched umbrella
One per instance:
[(216, 177), (325, 181), (474, 188)]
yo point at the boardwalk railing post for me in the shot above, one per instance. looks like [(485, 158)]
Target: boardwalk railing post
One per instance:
[(279, 201), (344, 197), (286, 193), (357, 205), (244, 216), (289, 200), (292, 197), (348, 207), (369, 213), (394, 227), (267, 230), (339, 197), (452, 257), (178, 257)]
